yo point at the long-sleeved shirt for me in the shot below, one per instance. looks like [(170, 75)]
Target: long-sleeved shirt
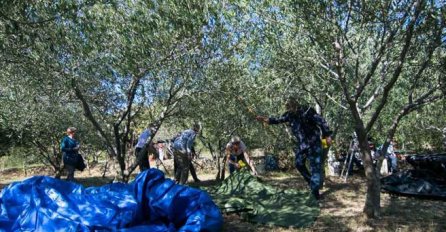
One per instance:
[(185, 141), (306, 126), (68, 144), (143, 138)]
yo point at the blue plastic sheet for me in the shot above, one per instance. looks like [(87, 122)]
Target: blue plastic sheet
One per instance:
[(149, 203)]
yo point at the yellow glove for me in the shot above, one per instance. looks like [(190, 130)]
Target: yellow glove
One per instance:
[(241, 164), (324, 143)]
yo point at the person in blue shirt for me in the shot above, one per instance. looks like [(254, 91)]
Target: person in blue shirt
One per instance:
[(143, 146), (175, 161), (307, 127), (183, 152), (70, 147)]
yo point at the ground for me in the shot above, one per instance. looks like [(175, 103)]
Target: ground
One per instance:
[(341, 205)]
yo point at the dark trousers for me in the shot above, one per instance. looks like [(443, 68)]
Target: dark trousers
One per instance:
[(177, 169), (314, 154), (70, 161), (183, 164), (237, 158), (192, 171), (70, 172)]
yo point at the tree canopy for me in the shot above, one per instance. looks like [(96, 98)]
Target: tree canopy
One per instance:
[(110, 67)]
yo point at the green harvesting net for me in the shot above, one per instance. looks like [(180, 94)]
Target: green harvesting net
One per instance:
[(261, 203)]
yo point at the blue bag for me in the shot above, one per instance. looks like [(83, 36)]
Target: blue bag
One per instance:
[(80, 162)]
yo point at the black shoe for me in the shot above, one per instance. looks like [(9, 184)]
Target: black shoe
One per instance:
[(197, 181)]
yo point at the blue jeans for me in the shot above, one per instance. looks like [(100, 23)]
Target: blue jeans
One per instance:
[(393, 167)]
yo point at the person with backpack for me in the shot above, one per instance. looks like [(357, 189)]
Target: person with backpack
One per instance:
[(307, 127)]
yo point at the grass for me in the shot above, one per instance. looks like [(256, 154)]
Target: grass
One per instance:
[(341, 206)]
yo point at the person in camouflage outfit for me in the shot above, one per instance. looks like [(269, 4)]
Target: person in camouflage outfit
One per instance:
[(307, 127)]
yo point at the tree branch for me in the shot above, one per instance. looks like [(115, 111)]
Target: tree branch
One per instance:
[(89, 115), (337, 103), (399, 67), (377, 60)]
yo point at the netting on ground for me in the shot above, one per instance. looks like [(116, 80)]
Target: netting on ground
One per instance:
[(261, 203), (426, 180)]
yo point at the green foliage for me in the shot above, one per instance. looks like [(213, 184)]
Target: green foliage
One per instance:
[(220, 63)]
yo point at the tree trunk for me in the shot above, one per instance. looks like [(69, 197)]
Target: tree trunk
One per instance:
[(57, 173), (373, 196), (105, 167), (223, 169), (122, 169), (217, 177)]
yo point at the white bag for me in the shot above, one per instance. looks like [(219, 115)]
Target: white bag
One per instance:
[(384, 168)]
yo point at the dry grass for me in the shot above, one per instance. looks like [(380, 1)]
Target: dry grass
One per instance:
[(341, 205)]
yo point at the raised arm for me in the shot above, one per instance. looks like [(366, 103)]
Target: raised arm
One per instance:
[(274, 120)]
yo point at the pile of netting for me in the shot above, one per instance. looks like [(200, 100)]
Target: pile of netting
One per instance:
[(427, 179), (258, 202)]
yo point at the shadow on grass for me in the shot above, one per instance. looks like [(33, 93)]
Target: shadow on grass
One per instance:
[(401, 213), (338, 198)]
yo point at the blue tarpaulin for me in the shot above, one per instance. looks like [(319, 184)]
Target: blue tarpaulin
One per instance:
[(149, 203)]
